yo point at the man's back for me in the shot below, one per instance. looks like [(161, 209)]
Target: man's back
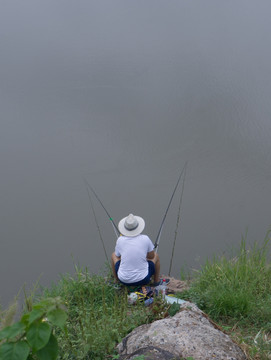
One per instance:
[(133, 252)]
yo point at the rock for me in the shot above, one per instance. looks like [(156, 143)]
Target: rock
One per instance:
[(189, 333), (149, 353), (175, 285)]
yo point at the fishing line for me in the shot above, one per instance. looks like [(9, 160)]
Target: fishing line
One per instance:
[(97, 224), (177, 224), (107, 213), (164, 218)]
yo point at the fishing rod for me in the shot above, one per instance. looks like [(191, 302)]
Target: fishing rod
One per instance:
[(156, 244), (177, 224), (96, 221), (107, 213)]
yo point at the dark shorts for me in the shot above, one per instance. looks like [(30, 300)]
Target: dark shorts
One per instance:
[(144, 281)]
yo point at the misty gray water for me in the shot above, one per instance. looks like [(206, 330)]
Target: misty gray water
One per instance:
[(124, 93)]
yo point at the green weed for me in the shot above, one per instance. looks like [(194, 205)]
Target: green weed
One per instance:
[(99, 315), (236, 292)]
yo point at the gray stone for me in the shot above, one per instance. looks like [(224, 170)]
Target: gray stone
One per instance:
[(189, 333), (149, 353)]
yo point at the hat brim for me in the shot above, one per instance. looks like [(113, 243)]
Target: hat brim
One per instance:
[(135, 232)]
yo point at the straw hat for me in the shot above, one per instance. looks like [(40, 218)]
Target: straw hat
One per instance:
[(131, 225)]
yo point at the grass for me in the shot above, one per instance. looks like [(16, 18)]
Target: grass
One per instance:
[(99, 315), (236, 293)]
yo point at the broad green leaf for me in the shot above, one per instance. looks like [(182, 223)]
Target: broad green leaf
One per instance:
[(25, 319), (50, 351), (57, 317), (38, 335), (12, 331), (30, 357), (14, 350), (36, 314), (40, 305), (47, 303)]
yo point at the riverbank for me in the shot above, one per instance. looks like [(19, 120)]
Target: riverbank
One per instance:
[(234, 292)]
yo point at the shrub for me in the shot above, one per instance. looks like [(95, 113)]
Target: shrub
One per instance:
[(33, 337)]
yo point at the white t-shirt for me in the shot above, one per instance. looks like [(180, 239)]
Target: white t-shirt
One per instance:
[(133, 251)]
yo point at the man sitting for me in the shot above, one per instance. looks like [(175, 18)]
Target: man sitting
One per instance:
[(134, 261)]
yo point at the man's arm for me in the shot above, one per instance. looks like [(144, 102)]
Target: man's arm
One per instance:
[(150, 255), (114, 259)]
